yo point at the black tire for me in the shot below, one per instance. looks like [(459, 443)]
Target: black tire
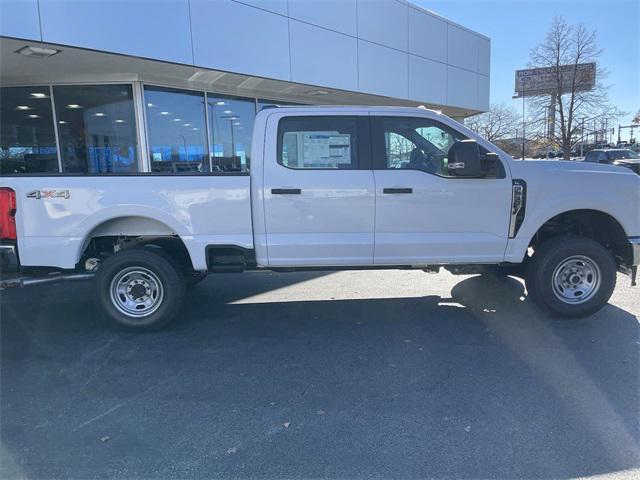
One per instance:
[(193, 278), (139, 272), (545, 273)]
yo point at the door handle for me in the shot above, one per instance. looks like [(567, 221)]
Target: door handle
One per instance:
[(397, 190), (286, 191)]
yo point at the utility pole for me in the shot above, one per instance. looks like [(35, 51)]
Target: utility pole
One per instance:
[(524, 83), (552, 116), (582, 138)]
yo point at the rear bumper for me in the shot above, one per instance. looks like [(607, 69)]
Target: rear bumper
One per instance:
[(9, 259)]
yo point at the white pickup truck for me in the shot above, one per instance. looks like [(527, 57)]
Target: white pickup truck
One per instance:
[(330, 188)]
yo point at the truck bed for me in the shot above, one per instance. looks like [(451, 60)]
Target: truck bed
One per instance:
[(201, 209)]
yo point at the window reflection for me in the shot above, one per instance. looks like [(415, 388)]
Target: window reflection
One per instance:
[(176, 130), (27, 138), (418, 143), (96, 128), (231, 126)]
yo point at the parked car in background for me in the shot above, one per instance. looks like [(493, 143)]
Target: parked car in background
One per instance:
[(615, 156)]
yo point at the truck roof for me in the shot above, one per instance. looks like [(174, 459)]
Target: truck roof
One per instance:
[(353, 107)]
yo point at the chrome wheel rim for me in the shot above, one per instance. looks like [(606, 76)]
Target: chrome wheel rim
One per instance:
[(576, 279), (136, 292)]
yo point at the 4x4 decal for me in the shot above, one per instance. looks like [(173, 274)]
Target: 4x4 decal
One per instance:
[(38, 194)]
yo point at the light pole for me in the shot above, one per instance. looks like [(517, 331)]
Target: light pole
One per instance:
[(186, 153), (231, 118)]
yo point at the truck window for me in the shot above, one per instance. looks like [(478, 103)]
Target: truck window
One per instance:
[(318, 142), (413, 143)]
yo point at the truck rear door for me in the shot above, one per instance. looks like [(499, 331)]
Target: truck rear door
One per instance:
[(318, 190)]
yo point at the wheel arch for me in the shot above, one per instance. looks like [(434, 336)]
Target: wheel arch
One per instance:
[(597, 225), (147, 230)]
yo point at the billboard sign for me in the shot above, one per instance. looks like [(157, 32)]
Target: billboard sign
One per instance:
[(543, 81)]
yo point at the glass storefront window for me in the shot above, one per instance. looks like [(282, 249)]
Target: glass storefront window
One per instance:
[(231, 126), (27, 136), (176, 130), (97, 131), (96, 128)]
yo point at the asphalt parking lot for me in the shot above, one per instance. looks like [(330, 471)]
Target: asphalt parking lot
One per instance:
[(383, 374)]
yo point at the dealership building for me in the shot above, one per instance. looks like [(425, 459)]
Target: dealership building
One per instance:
[(173, 86)]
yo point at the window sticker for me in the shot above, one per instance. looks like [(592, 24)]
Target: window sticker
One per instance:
[(325, 149)]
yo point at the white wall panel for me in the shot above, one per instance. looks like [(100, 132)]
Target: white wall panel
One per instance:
[(463, 48), (384, 47), (427, 35), (19, 18), (462, 88), (483, 92), (427, 80), (323, 57), (238, 38), (338, 15), (275, 6), (383, 71), (384, 22), (484, 56), (134, 27)]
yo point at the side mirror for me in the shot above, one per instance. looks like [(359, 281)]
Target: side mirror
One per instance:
[(464, 159), (490, 164)]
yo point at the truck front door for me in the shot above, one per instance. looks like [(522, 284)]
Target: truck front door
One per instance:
[(318, 191), (424, 214)]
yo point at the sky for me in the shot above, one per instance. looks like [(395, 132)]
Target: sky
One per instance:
[(517, 26)]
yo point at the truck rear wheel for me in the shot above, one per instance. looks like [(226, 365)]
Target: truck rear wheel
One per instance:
[(139, 289), (571, 277)]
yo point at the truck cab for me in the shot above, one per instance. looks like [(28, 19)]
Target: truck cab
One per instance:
[(335, 188), (349, 188)]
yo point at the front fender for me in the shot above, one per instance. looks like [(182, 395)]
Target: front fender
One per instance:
[(548, 197)]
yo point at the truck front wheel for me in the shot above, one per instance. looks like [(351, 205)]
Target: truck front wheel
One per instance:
[(140, 289), (571, 277)]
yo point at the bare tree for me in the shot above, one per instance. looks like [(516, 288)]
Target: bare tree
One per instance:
[(496, 124), (570, 45), (636, 118)]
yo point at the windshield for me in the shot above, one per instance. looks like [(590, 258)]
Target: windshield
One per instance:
[(618, 154)]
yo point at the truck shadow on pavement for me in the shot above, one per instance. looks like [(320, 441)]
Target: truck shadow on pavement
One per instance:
[(477, 385)]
